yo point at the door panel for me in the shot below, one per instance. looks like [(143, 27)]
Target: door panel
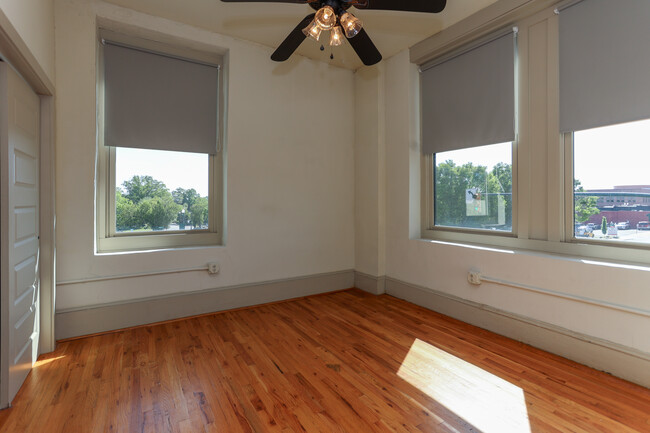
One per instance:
[(20, 291), (25, 223)]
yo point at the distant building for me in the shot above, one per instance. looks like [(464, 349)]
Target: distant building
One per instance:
[(622, 196), (622, 203), (631, 216)]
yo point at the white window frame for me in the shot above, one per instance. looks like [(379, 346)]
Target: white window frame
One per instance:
[(463, 234), (560, 239), (429, 227), (570, 210), (108, 239)]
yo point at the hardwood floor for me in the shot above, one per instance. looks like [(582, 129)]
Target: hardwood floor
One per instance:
[(343, 362)]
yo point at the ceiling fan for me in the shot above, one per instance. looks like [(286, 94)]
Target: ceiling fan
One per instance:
[(333, 16)]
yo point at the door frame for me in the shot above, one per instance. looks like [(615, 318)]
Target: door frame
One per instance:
[(16, 53)]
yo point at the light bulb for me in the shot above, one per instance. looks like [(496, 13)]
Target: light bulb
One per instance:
[(325, 18), (351, 25), (336, 36), (312, 30)]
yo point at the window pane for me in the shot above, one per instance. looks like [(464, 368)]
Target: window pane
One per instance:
[(473, 188), (612, 183), (159, 190)]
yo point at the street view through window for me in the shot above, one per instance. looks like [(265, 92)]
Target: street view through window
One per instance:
[(160, 190), (473, 188), (612, 183)]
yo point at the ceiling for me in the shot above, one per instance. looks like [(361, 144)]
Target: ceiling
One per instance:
[(269, 23)]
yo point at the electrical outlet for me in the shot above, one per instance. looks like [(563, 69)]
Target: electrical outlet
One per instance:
[(213, 268), (474, 277)]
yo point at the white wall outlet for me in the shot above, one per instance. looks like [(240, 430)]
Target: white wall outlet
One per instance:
[(474, 277), (213, 268)]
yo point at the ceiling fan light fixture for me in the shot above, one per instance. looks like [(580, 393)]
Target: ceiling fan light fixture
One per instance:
[(312, 30), (336, 36), (351, 25), (325, 18)]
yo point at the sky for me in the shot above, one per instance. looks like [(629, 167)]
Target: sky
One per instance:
[(603, 157), (174, 169), (613, 155)]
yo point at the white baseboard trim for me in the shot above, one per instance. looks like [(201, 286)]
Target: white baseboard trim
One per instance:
[(369, 283), (102, 318), (613, 358)]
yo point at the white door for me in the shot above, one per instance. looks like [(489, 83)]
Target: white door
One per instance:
[(19, 183)]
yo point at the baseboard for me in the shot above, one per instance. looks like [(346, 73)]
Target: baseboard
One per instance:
[(618, 360), (103, 318), (370, 283)]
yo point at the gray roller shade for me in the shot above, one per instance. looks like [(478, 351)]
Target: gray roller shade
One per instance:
[(154, 101), (469, 100), (604, 63)]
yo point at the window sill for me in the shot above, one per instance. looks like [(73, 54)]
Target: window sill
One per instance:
[(625, 255), (126, 243)]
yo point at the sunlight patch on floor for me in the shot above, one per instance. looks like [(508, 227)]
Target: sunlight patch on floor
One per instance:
[(46, 361), (487, 402)]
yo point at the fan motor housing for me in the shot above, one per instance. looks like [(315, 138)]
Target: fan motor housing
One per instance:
[(337, 5)]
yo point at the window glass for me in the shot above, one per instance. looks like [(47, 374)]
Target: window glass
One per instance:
[(159, 190), (473, 188), (612, 183)]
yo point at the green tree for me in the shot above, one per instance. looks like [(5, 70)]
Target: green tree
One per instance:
[(185, 197), (603, 226), (125, 218), (145, 203), (199, 212), (500, 180), (156, 213), (141, 187), (585, 207), (451, 183)]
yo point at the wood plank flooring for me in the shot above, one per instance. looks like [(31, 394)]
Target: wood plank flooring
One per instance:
[(342, 362)]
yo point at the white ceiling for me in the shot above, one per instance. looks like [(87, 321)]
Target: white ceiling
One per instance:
[(270, 23)]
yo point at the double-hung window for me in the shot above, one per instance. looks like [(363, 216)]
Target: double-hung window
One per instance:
[(160, 160), (605, 118), (468, 137)]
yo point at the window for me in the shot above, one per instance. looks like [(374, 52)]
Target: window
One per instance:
[(612, 162), (603, 96), (473, 188), (157, 190), (160, 164), (468, 134), (579, 79)]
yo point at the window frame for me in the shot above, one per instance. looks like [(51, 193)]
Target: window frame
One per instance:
[(570, 209), (559, 240), (429, 227), (108, 240)]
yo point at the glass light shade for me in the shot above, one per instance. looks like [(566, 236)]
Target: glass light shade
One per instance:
[(325, 18), (351, 25), (336, 36), (313, 31)]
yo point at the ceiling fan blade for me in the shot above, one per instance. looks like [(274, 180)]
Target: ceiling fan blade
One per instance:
[(267, 1), (365, 49), (292, 42), (431, 6)]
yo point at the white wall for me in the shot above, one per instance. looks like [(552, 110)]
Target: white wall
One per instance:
[(34, 22), (370, 171), (444, 266), (290, 169)]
